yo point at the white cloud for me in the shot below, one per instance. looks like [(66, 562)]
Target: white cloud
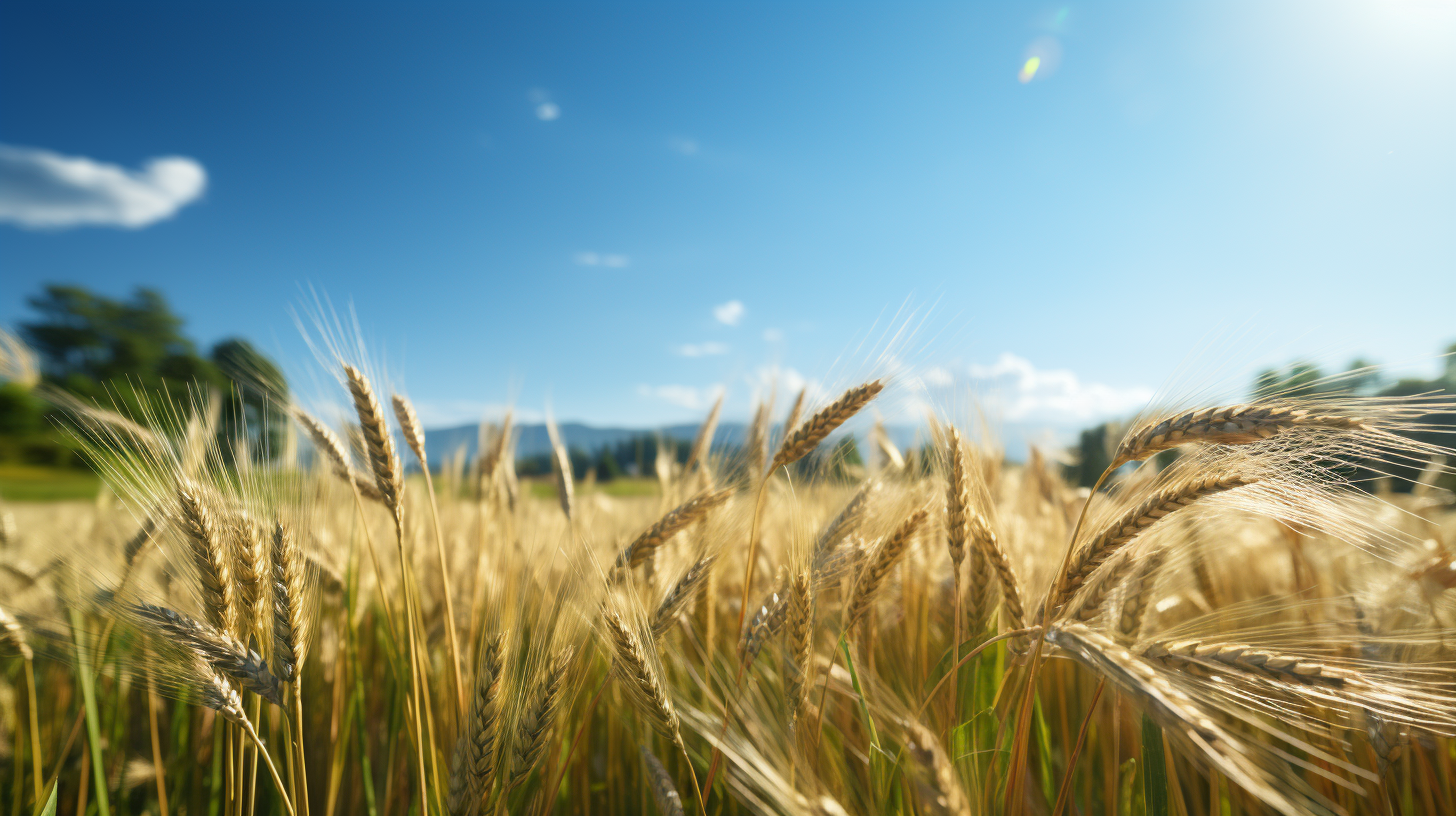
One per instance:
[(687, 147), (546, 110), (786, 382), (702, 349), (607, 259), (937, 377), (773, 335), (1020, 392), (683, 396), (44, 190), (729, 313)]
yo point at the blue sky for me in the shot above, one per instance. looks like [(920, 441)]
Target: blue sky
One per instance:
[(560, 202)]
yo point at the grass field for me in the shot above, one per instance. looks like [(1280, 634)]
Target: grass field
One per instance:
[(32, 483)]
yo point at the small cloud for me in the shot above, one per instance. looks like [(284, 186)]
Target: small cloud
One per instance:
[(1023, 393), (601, 259), (546, 109), (773, 335), (787, 382), (702, 349), (729, 313), (44, 190), (937, 377), (687, 147), (683, 396)]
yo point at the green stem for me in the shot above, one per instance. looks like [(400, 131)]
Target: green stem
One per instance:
[(93, 720)]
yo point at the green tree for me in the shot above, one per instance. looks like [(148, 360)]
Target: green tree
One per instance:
[(88, 342), (607, 467), (121, 351), (261, 393)]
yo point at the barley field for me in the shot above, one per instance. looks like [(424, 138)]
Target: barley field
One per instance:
[(1242, 617)]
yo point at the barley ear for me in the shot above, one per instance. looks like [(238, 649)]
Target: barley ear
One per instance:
[(664, 792), (536, 720), (209, 555), (472, 771), (378, 443), (872, 574), (289, 616), (641, 678), (802, 440), (409, 423), (800, 626)]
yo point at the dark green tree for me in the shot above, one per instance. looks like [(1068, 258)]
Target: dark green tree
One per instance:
[(607, 467)]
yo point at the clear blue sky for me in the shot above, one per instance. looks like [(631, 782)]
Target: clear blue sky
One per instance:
[(550, 202)]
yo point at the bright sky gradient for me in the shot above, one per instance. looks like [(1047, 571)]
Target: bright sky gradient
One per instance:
[(617, 207)]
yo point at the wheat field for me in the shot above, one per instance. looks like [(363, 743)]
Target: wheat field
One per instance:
[(1241, 617)]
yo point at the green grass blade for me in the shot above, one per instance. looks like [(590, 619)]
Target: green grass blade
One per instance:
[(1155, 770), (50, 805), (93, 719), (1044, 751)]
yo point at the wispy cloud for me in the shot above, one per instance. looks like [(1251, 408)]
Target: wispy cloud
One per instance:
[(687, 147), (773, 335), (683, 396), (606, 259), (1020, 392), (44, 190), (702, 349), (546, 110), (729, 313), (787, 382)]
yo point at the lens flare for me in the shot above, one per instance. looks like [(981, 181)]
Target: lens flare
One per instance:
[(1028, 70)]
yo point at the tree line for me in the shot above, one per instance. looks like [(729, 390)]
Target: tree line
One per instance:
[(124, 353)]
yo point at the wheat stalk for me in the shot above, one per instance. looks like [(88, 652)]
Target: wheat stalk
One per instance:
[(845, 524), (664, 793), (1226, 425), (1137, 598), (537, 718), (253, 572), (990, 547), (221, 651), (289, 614), (800, 625), (1133, 523), (946, 794), (378, 443), (676, 520), (680, 594), (473, 770), (210, 555), (11, 630), (641, 678), (327, 443), (703, 442), (1243, 657), (1173, 710), (409, 424), (798, 443), (872, 574), (143, 536)]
